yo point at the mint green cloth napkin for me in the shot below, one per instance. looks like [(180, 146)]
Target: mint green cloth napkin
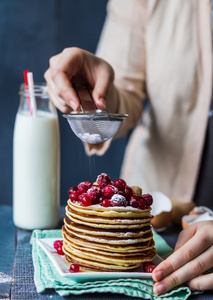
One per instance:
[(46, 276)]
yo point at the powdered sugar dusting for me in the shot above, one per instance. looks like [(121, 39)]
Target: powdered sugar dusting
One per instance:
[(94, 138), (4, 278)]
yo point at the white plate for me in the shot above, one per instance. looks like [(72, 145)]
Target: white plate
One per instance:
[(62, 266)]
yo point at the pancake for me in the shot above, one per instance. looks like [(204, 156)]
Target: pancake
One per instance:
[(107, 221), (82, 229), (115, 248), (111, 212), (106, 258), (112, 237)]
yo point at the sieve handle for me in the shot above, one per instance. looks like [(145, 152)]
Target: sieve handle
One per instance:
[(85, 86)]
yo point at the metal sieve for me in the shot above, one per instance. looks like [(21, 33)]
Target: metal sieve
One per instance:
[(95, 126)]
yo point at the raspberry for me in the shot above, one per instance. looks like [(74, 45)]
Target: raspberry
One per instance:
[(118, 200), (82, 188), (74, 268), (106, 202), (133, 202), (60, 251), (127, 192), (57, 243), (85, 199), (103, 180), (141, 203), (94, 192), (74, 196), (72, 189), (148, 199), (119, 184), (109, 191)]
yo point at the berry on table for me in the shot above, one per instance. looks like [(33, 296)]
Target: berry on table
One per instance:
[(57, 243), (74, 268), (148, 267), (60, 251)]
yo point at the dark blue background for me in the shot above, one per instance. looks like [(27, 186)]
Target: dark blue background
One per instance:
[(30, 33)]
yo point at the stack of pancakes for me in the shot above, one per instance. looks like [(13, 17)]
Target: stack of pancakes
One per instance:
[(109, 239)]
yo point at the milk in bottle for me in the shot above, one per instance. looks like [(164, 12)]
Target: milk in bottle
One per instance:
[(36, 165)]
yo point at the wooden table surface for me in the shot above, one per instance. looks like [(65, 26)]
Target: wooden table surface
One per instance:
[(16, 266)]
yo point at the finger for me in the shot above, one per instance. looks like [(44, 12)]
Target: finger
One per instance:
[(65, 89), (59, 103), (194, 247), (62, 68), (103, 81), (187, 272), (201, 283), (184, 236)]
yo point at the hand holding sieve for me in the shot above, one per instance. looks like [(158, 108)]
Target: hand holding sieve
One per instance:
[(93, 125)]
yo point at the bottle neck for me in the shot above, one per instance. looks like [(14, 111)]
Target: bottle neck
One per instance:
[(39, 103)]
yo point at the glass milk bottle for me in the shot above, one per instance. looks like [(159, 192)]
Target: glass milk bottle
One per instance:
[(36, 162)]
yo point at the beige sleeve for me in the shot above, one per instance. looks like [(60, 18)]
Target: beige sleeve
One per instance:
[(122, 45)]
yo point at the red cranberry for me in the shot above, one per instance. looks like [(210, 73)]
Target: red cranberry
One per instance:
[(141, 203), (121, 193), (100, 200), (127, 191), (134, 197), (85, 199), (82, 188), (89, 184), (150, 268), (103, 180), (110, 190), (119, 184), (95, 193), (72, 189), (148, 198), (74, 268), (106, 202), (57, 243), (133, 202), (60, 251), (118, 200), (74, 196)]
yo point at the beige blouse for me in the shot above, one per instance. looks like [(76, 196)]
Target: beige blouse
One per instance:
[(161, 50)]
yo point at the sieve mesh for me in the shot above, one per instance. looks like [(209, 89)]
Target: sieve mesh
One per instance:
[(95, 128)]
